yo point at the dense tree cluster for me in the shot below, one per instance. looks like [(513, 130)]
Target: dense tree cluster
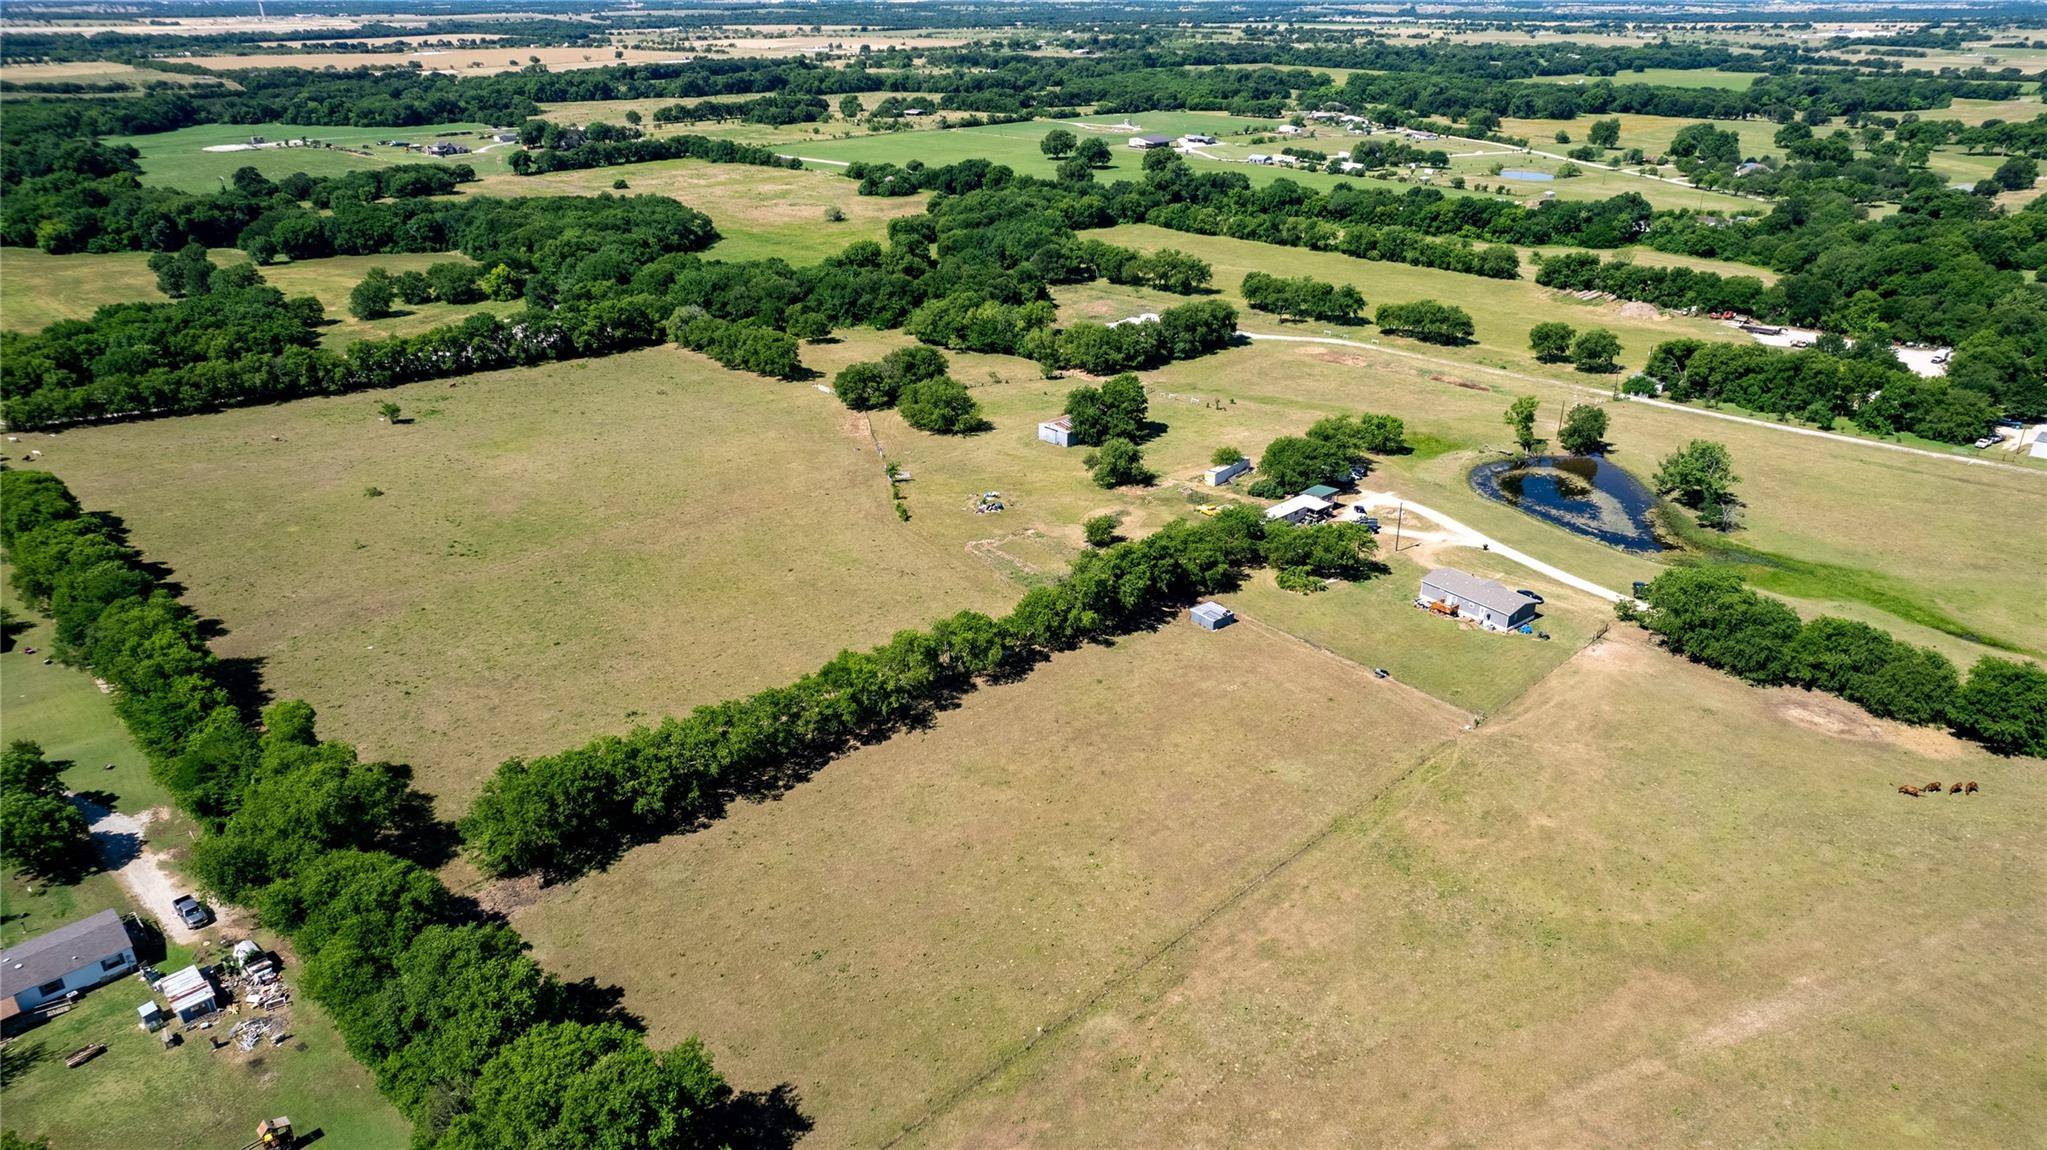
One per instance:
[(41, 831), (573, 150), (1332, 452), (1710, 617), (1303, 297), (451, 1016), (1118, 409), (740, 346), (1864, 383), (1430, 321)]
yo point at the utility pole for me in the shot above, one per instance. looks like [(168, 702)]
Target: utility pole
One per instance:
[(1399, 518)]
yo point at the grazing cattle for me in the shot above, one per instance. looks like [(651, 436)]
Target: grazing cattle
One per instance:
[(1932, 788), (1909, 790), (1971, 788), (1955, 790)]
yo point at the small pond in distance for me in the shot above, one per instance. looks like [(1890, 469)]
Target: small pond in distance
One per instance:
[(1581, 493), (1526, 174)]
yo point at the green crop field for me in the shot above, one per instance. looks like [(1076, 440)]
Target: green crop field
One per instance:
[(918, 911), (1645, 906)]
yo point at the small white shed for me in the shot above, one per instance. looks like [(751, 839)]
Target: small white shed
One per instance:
[(1219, 475), (1212, 616), (1058, 432)]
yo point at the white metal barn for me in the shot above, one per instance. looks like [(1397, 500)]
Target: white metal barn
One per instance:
[(1491, 603)]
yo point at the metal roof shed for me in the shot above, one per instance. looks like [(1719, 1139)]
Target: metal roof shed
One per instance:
[(189, 992), (1212, 616), (1321, 491), (1491, 603), (1302, 508)]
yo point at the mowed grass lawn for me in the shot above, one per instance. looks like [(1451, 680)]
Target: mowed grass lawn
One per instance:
[(1649, 906), (191, 1097), (1375, 623), (924, 909), (556, 553)]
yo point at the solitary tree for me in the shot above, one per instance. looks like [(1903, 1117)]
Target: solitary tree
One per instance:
[(850, 106), (1584, 430), (1057, 142), (1551, 341), (1604, 133), (1520, 416), (1701, 477), (1118, 463), (1596, 351), (1095, 151), (632, 117), (1100, 530), (373, 296)]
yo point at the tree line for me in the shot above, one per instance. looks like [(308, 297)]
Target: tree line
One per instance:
[(1864, 383), (461, 1029), (566, 813), (1710, 617)]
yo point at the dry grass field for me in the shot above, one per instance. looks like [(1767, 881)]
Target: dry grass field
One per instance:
[(555, 554), (1646, 907), (760, 212), (922, 910)]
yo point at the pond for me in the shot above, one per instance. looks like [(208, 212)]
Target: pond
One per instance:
[(1526, 174), (1580, 493)]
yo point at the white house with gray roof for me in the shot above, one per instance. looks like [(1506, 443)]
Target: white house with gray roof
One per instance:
[(1492, 604), (74, 957)]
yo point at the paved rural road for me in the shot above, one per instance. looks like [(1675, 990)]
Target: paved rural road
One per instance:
[(1456, 532), (1814, 432)]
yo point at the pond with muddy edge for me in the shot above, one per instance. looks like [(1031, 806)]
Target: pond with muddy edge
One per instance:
[(1580, 493)]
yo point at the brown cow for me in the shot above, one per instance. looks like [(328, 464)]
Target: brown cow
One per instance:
[(1932, 788), (1909, 790), (1971, 788), (1955, 790)]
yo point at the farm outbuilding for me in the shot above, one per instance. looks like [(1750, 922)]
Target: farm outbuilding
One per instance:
[(1301, 510), (190, 993), (1321, 491), (76, 956), (1494, 606), (1223, 473), (1058, 432), (1212, 616), (1150, 142)]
